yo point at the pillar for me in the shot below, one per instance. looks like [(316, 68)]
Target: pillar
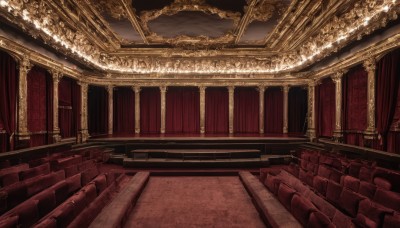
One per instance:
[(231, 91), (163, 91), (136, 89), (110, 90), (202, 90), (285, 109), (84, 133), (56, 75), (23, 136), (338, 133), (311, 110), (370, 132), (261, 91)]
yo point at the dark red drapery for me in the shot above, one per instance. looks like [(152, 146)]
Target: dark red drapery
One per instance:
[(97, 110), (40, 106), (246, 110), (182, 110), (124, 111), (355, 89), (150, 110), (273, 109), (217, 110), (297, 110), (68, 106), (387, 88), (325, 108), (8, 96)]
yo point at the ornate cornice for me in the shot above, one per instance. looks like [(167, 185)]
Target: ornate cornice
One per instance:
[(40, 20)]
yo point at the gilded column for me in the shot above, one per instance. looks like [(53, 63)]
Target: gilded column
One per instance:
[(261, 91), (84, 133), (202, 90), (136, 89), (337, 78), (110, 90), (56, 128), (231, 91), (285, 109), (24, 68), (163, 91), (370, 66), (311, 110)]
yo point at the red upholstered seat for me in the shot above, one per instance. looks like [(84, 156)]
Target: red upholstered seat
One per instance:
[(367, 189), (64, 214), (319, 220), (324, 171), (382, 183), (285, 194), (61, 191), (74, 183), (303, 163), (370, 214), (350, 182), (90, 192), (354, 169), (366, 173), (11, 221), (71, 170), (9, 179), (320, 184), (272, 183), (47, 223), (293, 169), (28, 214), (349, 201), (388, 199), (333, 192), (301, 208), (101, 183), (335, 175), (46, 202), (391, 221), (14, 169), (33, 172), (15, 194), (89, 175)]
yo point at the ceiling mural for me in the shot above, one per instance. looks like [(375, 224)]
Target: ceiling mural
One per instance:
[(198, 36)]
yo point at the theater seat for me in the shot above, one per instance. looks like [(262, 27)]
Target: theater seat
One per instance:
[(382, 183), (11, 221), (367, 189), (333, 192), (272, 183), (349, 201), (350, 182), (370, 214), (319, 220), (285, 194), (101, 183), (388, 199), (302, 208), (391, 221), (320, 184)]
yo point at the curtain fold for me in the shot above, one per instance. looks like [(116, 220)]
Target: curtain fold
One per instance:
[(355, 88), (8, 101), (124, 111), (150, 110), (297, 110), (40, 106), (97, 110), (246, 110), (217, 110), (273, 110), (387, 85), (182, 110), (325, 108)]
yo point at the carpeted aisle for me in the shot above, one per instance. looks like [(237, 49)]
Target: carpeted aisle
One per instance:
[(194, 202)]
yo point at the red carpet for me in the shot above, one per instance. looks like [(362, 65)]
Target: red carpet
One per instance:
[(194, 202)]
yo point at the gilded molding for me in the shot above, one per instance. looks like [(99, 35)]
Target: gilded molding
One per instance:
[(84, 133), (24, 67), (202, 91), (163, 91), (110, 91), (261, 90), (231, 92), (311, 110), (56, 75), (337, 79), (370, 67), (136, 90)]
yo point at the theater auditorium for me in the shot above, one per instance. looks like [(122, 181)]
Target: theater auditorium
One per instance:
[(200, 113)]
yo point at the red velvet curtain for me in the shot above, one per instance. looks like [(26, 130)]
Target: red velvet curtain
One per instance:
[(124, 111), (217, 110), (182, 110), (387, 88), (325, 108), (76, 108), (246, 110), (297, 110), (273, 110), (355, 88), (150, 110), (40, 106), (8, 98), (97, 110)]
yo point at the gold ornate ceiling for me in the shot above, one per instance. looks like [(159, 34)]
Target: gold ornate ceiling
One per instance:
[(198, 36)]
